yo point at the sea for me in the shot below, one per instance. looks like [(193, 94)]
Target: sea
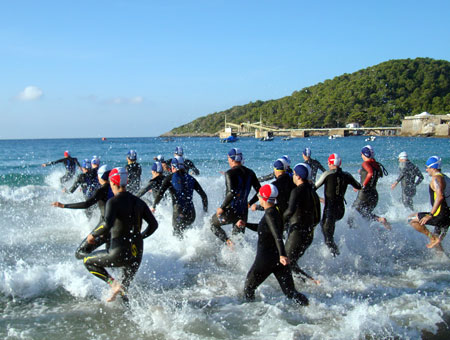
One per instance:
[(385, 284)]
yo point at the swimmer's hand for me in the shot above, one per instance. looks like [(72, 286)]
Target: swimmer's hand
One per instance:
[(152, 210), (425, 219), (230, 244), (44, 165), (322, 200), (284, 260), (253, 207), (58, 205), (240, 224), (90, 239), (219, 212)]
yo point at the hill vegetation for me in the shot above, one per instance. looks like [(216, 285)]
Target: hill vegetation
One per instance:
[(380, 95)]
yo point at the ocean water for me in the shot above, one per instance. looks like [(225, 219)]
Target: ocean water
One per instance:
[(385, 284)]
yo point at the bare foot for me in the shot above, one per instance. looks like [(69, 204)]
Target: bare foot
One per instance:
[(385, 223), (434, 241), (116, 288)]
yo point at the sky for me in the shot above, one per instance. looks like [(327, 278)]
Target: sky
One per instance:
[(140, 68)]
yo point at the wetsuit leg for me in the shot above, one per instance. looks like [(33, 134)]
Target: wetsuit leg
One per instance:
[(84, 249), (284, 277), (181, 221), (96, 263), (299, 239), (67, 176), (365, 203), (257, 274), (216, 224), (331, 214), (407, 198)]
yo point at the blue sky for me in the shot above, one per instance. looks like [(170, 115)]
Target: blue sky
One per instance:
[(140, 68)]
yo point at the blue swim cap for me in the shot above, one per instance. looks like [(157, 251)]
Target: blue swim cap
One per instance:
[(132, 155), (178, 151), (307, 152), (368, 151), (178, 162), (157, 166), (287, 159), (279, 165), (86, 164), (301, 170), (95, 160), (103, 172), (235, 154), (434, 162)]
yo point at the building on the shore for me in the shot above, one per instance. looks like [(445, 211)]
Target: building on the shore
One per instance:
[(425, 124)]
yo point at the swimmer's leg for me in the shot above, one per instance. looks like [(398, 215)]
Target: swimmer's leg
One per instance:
[(284, 278), (256, 275)]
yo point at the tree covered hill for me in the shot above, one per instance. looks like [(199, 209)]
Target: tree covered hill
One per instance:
[(380, 95)]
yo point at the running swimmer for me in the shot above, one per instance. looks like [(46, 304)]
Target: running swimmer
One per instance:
[(155, 183), (407, 177), (286, 161), (70, 164), (439, 215), (313, 164), (239, 181), (87, 180), (271, 257), (134, 172), (367, 198), (181, 186), (123, 223), (188, 164), (335, 183)]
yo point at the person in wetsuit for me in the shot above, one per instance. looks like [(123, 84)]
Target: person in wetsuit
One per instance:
[(124, 214), (181, 186), (271, 257), (335, 183), (188, 164), (87, 180), (70, 164), (167, 170), (287, 168), (155, 183), (439, 215), (407, 177), (100, 196), (301, 216), (313, 164), (367, 198), (239, 181), (134, 172)]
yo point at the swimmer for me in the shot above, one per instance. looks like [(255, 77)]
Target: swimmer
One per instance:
[(134, 172), (69, 163), (155, 183), (188, 164), (313, 164)]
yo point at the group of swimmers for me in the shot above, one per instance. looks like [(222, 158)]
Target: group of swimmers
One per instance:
[(290, 205)]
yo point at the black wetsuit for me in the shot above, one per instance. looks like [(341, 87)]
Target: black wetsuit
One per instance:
[(285, 185), (239, 181), (123, 223), (181, 186), (301, 221), (407, 178), (188, 165), (70, 164), (336, 182), (134, 177), (315, 166), (367, 198), (89, 184), (100, 196), (154, 185), (268, 177), (267, 261)]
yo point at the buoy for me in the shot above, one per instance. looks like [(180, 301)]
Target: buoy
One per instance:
[(103, 138)]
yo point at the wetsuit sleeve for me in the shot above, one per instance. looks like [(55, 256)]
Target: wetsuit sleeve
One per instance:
[(292, 206), (89, 202), (148, 217), (164, 186), (229, 193), (352, 181), (369, 170), (56, 162), (320, 166), (256, 185), (321, 180), (401, 175), (145, 189), (419, 175), (110, 218), (76, 162), (202, 193), (252, 226), (192, 167), (266, 177), (277, 236)]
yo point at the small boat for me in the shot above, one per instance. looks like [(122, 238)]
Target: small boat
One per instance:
[(266, 139), (370, 139), (230, 139), (167, 139), (286, 138), (103, 138)]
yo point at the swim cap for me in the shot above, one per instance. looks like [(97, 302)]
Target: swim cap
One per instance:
[(86, 164), (434, 162), (368, 151), (235, 154), (159, 158), (103, 172), (66, 153), (335, 159), (287, 159), (119, 176), (279, 165), (268, 192), (302, 170), (178, 151), (157, 166), (403, 155), (132, 155), (178, 162), (95, 160), (307, 152)]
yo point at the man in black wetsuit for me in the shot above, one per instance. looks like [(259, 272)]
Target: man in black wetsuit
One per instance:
[(100, 196), (167, 170), (124, 214), (239, 181), (188, 164), (134, 172), (287, 168), (335, 181), (301, 215), (181, 186), (313, 164), (155, 183), (87, 179), (70, 164), (407, 177), (271, 257)]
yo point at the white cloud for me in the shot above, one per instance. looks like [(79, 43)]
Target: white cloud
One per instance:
[(136, 100), (124, 100), (30, 93)]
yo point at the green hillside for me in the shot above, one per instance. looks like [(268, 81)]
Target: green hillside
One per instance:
[(380, 95)]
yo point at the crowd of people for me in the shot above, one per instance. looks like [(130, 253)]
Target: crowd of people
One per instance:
[(291, 205)]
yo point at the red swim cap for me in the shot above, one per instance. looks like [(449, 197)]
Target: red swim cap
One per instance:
[(335, 159), (119, 176), (268, 192)]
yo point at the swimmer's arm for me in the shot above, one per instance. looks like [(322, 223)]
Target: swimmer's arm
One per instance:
[(353, 182), (438, 185), (89, 202), (266, 177), (110, 218), (144, 190), (320, 166), (229, 193), (252, 226), (256, 185), (321, 180), (152, 224), (369, 170), (164, 186), (292, 206), (202, 193), (419, 176)]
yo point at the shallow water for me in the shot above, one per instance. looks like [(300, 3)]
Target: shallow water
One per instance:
[(385, 284)]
